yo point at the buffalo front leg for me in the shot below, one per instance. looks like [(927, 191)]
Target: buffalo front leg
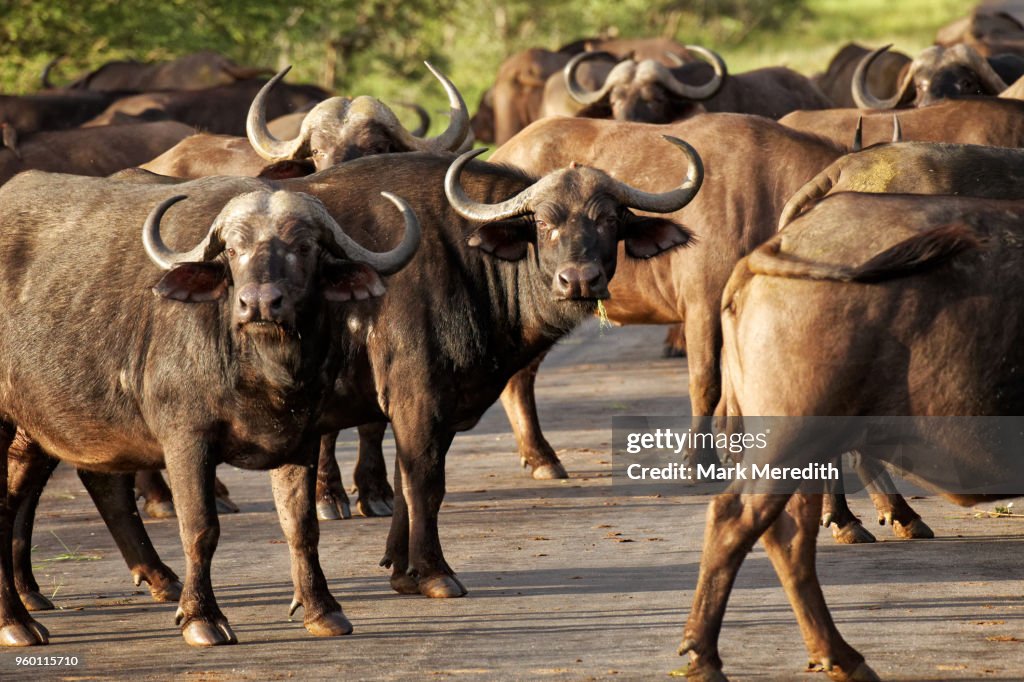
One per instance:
[(520, 405), (791, 543), (30, 469), (422, 444), (892, 507), (294, 492), (331, 500), (114, 499), (190, 467), (734, 523), (17, 627), (674, 345), (376, 498)]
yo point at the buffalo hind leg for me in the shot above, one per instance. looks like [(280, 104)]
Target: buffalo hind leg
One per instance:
[(159, 504), (836, 514), (190, 466), (703, 342), (17, 627), (331, 500), (422, 444), (892, 507), (114, 498), (294, 496), (376, 498), (520, 403), (791, 543), (30, 469), (675, 342), (734, 523)]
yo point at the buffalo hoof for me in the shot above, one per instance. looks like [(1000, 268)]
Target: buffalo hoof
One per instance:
[(23, 634), (168, 592), (371, 505), (862, 673), (34, 601), (330, 509), (915, 530), (404, 583), (551, 471), (226, 506), (333, 624), (672, 351), (204, 633), (852, 533), (699, 674), (441, 587), (159, 510)]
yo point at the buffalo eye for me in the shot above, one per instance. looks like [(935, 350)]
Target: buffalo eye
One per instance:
[(231, 252), (304, 249)]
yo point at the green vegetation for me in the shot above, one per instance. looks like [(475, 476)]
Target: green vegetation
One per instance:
[(376, 46)]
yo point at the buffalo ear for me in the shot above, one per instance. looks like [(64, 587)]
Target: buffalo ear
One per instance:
[(194, 282), (504, 239), (345, 280), (647, 236)]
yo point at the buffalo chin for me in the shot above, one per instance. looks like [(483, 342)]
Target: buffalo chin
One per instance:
[(270, 353)]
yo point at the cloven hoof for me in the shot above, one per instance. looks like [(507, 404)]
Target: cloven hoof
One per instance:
[(333, 624), (404, 583), (441, 587), (699, 674), (915, 530), (159, 510), (331, 510), (168, 592), (862, 673), (34, 601), (204, 633), (371, 506), (547, 472), (853, 533), (226, 506), (24, 634)]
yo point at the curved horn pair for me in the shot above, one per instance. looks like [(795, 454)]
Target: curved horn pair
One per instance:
[(273, 149), (332, 237), (662, 74), (664, 202)]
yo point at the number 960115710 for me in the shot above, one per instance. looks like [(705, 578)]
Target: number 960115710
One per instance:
[(45, 660)]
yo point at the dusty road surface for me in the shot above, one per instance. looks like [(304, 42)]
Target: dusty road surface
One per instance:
[(567, 579)]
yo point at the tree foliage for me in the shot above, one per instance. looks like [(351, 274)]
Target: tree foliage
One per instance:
[(353, 46)]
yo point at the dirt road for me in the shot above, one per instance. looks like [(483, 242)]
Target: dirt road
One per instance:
[(567, 579)]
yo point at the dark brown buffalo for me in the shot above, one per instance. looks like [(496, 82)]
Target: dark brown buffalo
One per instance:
[(91, 151), (220, 109), (936, 332), (649, 92), (937, 73), (230, 361), (983, 120), (194, 71), (333, 131), (518, 92), (993, 27), (837, 81), (56, 111)]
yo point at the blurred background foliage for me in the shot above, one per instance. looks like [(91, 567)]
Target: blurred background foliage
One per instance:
[(376, 46)]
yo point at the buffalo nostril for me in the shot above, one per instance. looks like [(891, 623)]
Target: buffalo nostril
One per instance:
[(563, 278)]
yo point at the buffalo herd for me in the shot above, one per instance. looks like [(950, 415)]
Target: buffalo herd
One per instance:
[(204, 263)]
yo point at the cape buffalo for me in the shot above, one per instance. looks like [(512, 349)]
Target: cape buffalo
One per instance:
[(937, 73), (935, 332), (231, 361), (91, 151), (194, 71), (837, 81), (649, 92)]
